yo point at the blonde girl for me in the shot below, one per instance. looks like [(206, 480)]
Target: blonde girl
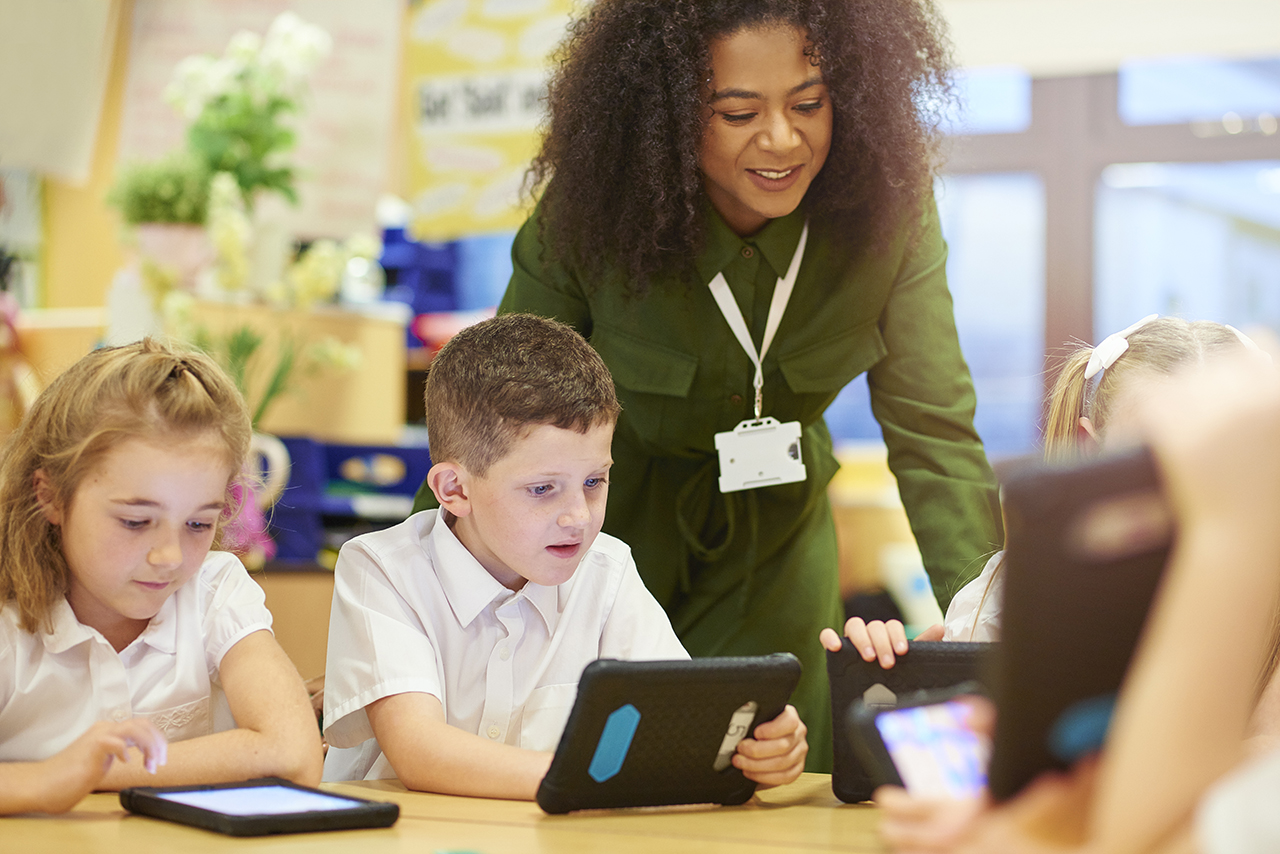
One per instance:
[(119, 627), (1094, 400)]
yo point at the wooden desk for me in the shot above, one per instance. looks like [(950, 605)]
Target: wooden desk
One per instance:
[(803, 816)]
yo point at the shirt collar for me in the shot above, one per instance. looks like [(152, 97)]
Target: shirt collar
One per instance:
[(67, 630), (470, 588), (777, 241), (161, 633)]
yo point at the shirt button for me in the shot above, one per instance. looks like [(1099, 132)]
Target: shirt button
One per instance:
[(494, 731), (747, 252), (504, 653), (735, 398)]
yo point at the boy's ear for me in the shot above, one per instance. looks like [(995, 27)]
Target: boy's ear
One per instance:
[(44, 497), (1087, 437), (449, 483)]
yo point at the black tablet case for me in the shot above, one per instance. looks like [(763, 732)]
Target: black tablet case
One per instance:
[(143, 800), (927, 665), (1070, 624), (684, 709)]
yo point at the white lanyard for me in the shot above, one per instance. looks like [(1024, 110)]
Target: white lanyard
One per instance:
[(733, 314)]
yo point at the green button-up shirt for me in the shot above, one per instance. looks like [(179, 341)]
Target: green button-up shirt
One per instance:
[(756, 572)]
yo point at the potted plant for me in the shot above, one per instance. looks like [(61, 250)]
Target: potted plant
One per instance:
[(166, 202)]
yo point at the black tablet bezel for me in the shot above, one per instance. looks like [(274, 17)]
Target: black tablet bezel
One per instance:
[(1070, 622), (148, 801), (928, 665), (684, 709)]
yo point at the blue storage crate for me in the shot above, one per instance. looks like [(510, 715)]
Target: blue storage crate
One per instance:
[(366, 482)]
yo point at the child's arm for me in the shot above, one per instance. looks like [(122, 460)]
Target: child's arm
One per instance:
[(775, 756), (275, 732), (429, 755), (58, 783)]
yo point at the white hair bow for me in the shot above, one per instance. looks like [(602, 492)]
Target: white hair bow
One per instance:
[(1112, 347)]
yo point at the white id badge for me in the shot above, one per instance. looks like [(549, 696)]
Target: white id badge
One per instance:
[(759, 453)]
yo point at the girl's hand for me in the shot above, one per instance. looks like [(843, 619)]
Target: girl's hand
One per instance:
[(78, 769), (877, 640), (1049, 816), (910, 824), (775, 756)]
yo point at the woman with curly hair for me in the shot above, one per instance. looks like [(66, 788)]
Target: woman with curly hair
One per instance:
[(781, 151)]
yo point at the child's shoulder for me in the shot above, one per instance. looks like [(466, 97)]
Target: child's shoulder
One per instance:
[(409, 534), (611, 548)]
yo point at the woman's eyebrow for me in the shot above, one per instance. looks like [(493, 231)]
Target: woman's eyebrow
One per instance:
[(748, 95)]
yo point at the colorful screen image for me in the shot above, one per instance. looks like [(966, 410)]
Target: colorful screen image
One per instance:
[(935, 751)]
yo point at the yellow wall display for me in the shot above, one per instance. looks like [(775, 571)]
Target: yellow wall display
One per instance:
[(475, 73)]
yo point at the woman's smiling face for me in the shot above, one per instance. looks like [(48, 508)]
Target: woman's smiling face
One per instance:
[(769, 125)]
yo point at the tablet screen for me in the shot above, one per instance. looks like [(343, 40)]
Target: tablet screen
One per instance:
[(260, 800), (934, 750)]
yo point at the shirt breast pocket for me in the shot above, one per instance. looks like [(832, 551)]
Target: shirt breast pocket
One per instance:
[(654, 382), (827, 366), (545, 714), (188, 720)]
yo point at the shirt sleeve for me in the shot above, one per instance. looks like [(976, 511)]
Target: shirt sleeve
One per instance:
[(923, 398), (974, 613), (378, 646), (637, 629), (234, 606), (541, 284)]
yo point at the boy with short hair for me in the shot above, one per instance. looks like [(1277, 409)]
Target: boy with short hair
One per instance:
[(457, 637)]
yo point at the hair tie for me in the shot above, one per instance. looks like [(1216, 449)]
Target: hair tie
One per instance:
[(1112, 347)]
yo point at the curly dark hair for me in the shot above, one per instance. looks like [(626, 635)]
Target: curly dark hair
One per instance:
[(618, 169)]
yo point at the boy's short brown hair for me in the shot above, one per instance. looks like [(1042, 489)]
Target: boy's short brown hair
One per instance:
[(496, 379)]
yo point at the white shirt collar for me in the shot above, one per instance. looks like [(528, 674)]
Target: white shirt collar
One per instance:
[(470, 588), (161, 633)]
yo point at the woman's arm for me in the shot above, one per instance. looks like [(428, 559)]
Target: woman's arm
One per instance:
[(429, 755), (923, 398), (275, 734)]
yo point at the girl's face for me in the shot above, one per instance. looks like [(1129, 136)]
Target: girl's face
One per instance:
[(769, 125), (1123, 425), (137, 528)]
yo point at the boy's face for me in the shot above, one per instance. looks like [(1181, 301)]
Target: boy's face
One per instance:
[(537, 511)]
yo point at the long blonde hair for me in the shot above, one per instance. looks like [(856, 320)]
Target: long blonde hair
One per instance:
[(146, 389), (1161, 347)]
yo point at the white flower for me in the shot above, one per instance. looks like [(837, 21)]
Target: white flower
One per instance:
[(244, 47), (190, 88), (363, 245), (293, 48)]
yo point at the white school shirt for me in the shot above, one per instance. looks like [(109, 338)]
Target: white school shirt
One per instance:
[(974, 612), (55, 686), (1238, 814), (413, 611)]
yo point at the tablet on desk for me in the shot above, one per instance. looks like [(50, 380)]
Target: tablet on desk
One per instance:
[(659, 733), (928, 665), (258, 807), (1086, 548)]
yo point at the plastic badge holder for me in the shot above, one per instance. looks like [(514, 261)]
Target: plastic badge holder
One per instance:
[(929, 665), (258, 807), (660, 733), (1086, 548)]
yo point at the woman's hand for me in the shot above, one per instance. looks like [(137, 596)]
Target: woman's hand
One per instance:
[(877, 639), (775, 755)]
